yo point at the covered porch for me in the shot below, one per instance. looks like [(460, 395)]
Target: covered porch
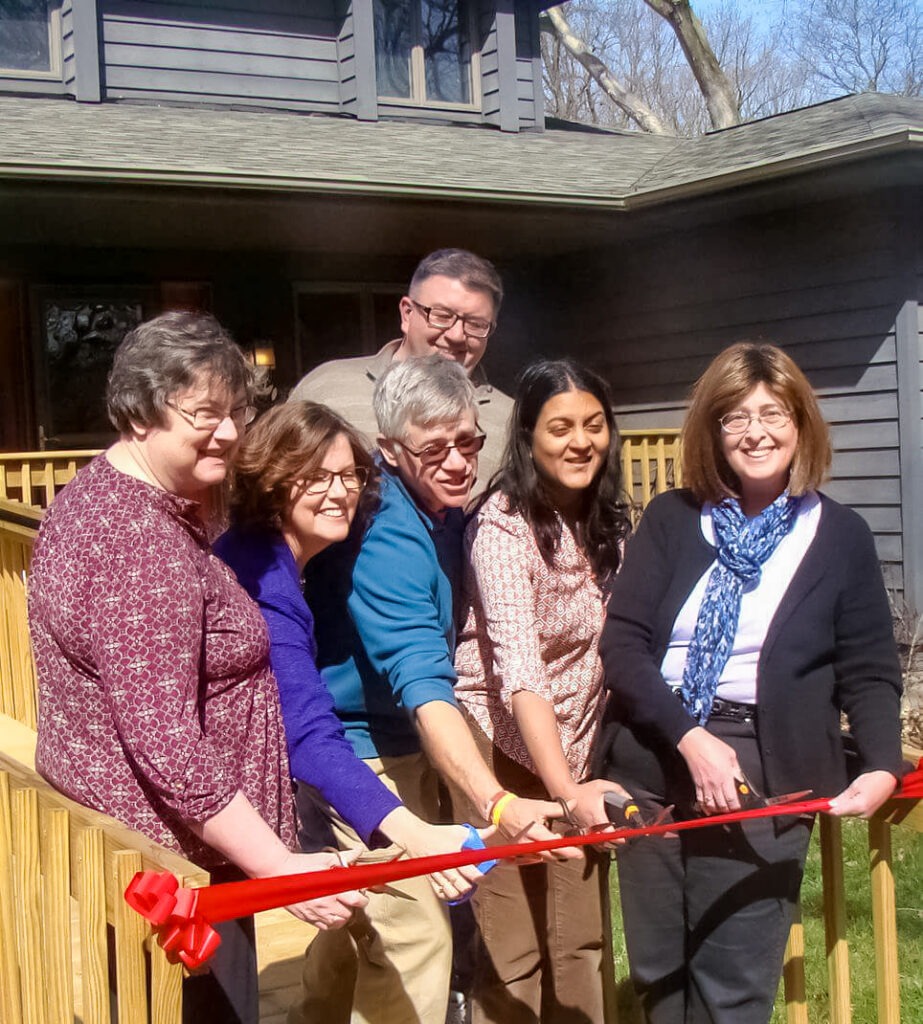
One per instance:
[(63, 868), (641, 256)]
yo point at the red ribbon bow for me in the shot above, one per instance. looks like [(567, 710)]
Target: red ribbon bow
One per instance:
[(182, 918)]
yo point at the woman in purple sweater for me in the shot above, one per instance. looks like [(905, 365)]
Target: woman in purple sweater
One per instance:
[(301, 476)]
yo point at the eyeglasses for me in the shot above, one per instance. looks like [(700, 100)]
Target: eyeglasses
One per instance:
[(210, 419), (436, 453), (738, 422), (321, 481), (443, 319)]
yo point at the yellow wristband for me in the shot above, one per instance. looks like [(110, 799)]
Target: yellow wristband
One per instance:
[(499, 807)]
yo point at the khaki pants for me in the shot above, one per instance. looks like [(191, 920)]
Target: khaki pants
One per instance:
[(391, 965), (543, 949)]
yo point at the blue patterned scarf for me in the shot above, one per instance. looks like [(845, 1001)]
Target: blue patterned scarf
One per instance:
[(743, 546)]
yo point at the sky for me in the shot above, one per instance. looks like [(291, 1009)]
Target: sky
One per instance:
[(764, 12)]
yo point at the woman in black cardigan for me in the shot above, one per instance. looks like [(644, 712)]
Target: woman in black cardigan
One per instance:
[(749, 613)]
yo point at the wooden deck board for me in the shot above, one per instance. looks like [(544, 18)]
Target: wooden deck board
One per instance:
[(280, 941)]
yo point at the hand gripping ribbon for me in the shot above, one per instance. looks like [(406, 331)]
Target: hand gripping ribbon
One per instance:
[(182, 918)]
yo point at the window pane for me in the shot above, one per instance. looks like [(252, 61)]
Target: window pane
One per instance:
[(393, 39), (386, 316), (446, 51), (24, 42), (80, 339), (329, 324)]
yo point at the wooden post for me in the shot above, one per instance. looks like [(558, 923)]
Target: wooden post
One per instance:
[(90, 890), (884, 920), (130, 930), (10, 1003), (831, 854), (56, 918), (796, 999), (28, 904), (166, 988)]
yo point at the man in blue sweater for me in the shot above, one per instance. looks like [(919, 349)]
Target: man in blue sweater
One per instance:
[(386, 637)]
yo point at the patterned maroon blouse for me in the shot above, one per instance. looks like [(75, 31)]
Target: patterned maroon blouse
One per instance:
[(156, 701)]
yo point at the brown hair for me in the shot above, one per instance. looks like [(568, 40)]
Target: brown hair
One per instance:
[(474, 272), (160, 357), (730, 377), (282, 447)]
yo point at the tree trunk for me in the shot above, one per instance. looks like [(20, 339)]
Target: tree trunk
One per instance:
[(633, 105), (720, 95)]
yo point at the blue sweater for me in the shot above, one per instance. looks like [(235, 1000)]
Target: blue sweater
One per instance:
[(385, 626), (318, 750)]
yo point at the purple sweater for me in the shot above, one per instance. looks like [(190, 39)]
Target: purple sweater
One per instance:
[(319, 752)]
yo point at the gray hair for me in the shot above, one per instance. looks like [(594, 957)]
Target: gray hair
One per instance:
[(423, 391), (165, 355)]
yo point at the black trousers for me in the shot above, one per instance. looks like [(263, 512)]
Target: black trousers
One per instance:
[(707, 913)]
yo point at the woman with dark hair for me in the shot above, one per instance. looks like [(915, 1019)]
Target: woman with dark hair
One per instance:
[(543, 549), (301, 478), (749, 614), (157, 702)]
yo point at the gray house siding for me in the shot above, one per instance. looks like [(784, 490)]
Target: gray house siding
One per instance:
[(68, 50), (529, 98), (825, 284), (346, 56), (490, 65), (273, 54), (315, 56), (909, 333)]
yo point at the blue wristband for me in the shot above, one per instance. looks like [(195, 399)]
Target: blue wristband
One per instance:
[(473, 842)]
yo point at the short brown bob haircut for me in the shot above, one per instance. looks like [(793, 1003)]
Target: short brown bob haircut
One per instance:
[(730, 377), (285, 445)]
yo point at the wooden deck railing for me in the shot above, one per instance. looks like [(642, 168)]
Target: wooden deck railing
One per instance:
[(18, 526), (651, 465), (34, 478), (63, 869)]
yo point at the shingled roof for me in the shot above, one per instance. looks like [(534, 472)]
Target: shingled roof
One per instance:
[(53, 139)]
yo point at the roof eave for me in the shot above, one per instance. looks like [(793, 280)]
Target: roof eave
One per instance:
[(904, 139)]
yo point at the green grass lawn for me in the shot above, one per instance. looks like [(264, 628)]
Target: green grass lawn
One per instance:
[(908, 872)]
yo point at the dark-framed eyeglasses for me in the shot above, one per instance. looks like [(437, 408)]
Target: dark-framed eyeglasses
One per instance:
[(210, 419), (436, 453), (443, 319), (738, 421), (320, 481)]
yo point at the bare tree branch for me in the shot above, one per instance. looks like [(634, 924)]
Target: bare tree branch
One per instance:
[(720, 95), (626, 100)]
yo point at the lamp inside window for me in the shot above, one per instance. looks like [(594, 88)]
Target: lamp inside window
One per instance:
[(264, 355)]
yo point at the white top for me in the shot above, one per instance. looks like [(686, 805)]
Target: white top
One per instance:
[(738, 680)]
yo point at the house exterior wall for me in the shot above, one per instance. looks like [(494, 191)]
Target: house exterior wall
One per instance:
[(281, 53), (824, 281), (316, 56)]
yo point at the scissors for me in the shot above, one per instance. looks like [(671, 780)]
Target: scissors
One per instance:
[(751, 798)]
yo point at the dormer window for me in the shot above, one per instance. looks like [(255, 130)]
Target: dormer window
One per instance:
[(30, 38), (423, 51)]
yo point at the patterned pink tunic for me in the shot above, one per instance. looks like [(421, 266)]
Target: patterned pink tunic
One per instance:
[(529, 628), (157, 703)]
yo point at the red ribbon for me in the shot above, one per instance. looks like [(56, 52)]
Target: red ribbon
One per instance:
[(182, 918)]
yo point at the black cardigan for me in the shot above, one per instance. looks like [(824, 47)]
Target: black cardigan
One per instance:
[(830, 647)]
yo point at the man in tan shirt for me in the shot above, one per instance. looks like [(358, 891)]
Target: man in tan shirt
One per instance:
[(451, 308)]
